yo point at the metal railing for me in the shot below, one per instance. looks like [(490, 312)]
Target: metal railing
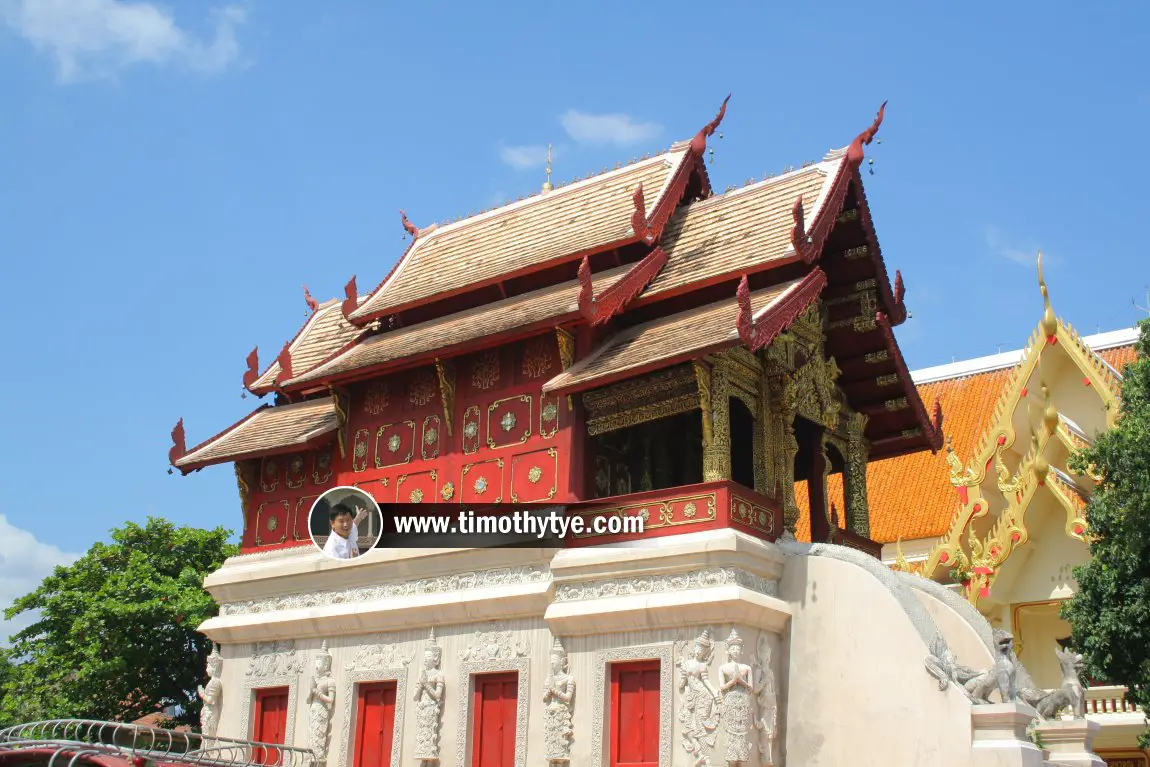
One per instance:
[(69, 740), (1109, 699)]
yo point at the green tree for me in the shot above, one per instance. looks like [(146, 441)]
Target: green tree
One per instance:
[(115, 635), (1110, 614)]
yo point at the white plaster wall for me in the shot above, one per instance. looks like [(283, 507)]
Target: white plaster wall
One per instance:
[(856, 689)]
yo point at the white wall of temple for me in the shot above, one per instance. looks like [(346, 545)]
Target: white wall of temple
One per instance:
[(838, 650)]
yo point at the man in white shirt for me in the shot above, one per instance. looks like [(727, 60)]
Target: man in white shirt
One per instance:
[(343, 543)]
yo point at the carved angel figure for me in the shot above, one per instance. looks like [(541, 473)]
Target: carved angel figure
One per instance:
[(699, 701), (429, 702), (211, 694), (319, 704), (736, 687), (559, 698), (768, 703)]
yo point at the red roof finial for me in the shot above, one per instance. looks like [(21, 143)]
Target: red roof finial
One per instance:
[(799, 232), (253, 371), (936, 418), (311, 302), (351, 297), (746, 315), (639, 216), (284, 361), (899, 287), (586, 290), (855, 151), (409, 227), (179, 448), (699, 142)]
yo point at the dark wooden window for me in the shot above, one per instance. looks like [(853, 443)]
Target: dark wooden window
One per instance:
[(374, 724), (493, 710), (635, 714)]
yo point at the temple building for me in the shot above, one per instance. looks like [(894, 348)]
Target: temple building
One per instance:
[(1000, 516), (672, 353)]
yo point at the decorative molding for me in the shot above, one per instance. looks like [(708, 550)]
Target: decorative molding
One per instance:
[(658, 584), (272, 664), (493, 651), (502, 576), (664, 653), (374, 663)]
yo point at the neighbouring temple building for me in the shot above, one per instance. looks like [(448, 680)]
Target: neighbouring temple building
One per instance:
[(1000, 516), (674, 353)]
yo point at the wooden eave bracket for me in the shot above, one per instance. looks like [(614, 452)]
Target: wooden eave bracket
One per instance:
[(445, 373), (757, 333), (598, 309), (931, 427)]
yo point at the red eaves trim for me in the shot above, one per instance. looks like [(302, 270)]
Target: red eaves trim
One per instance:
[(361, 321), (315, 441), (809, 244), (894, 303), (612, 301), (932, 431), (268, 388), (756, 334), (176, 453)]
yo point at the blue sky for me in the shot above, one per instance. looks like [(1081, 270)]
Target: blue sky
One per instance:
[(173, 173)]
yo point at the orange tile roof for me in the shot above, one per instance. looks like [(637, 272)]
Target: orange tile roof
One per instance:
[(911, 496)]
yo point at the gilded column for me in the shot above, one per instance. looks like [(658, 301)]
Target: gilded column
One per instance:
[(785, 445), (764, 476), (717, 453), (858, 508)]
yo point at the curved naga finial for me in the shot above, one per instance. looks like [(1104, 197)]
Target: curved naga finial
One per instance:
[(311, 302), (284, 361), (253, 371), (799, 232), (1049, 321), (351, 297), (936, 417), (639, 216), (855, 151), (746, 321), (586, 290), (899, 287), (699, 142), (179, 446), (409, 227)]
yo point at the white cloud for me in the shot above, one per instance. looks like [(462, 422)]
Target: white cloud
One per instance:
[(607, 129), (95, 38), (523, 157), (1000, 245), (24, 561)]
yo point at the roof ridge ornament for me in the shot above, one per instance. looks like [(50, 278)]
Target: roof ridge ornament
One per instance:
[(699, 142), (547, 185), (799, 237), (351, 298), (311, 302), (284, 360), (252, 374), (1049, 321), (855, 150), (179, 444), (409, 227), (639, 216)]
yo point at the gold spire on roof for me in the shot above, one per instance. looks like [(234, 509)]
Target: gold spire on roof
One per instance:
[(547, 186), (1049, 321)]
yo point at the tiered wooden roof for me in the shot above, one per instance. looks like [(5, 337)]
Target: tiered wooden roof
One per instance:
[(641, 250)]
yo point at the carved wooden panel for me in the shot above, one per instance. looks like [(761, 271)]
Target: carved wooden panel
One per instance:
[(296, 470), (359, 450), (321, 461), (548, 415), (509, 421), (677, 511), (539, 359), (270, 473), (471, 430), (300, 529), (485, 371), (376, 398), (753, 515), (272, 522), (379, 489), (420, 487), (394, 443), (534, 476), (482, 482), (423, 388), (432, 436)]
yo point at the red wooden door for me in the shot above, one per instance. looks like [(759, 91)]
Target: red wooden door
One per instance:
[(374, 724), (494, 704), (635, 714), (270, 722)]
